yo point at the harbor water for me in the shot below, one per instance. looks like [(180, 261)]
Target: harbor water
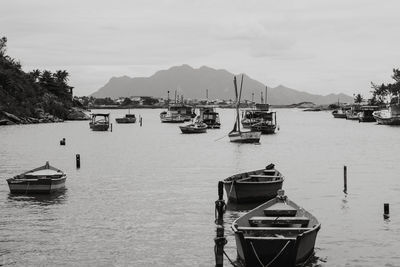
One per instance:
[(144, 196)]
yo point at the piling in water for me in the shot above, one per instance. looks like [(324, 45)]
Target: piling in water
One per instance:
[(78, 161), (220, 240), (62, 142), (386, 210), (110, 127), (345, 179)]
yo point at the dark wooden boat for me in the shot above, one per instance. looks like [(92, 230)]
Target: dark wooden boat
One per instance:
[(236, 135), (171, 117), (209, 116), (253, 186), (197, 127), (260, 118), (42, 180), (129, 118), (101, 124), (277, 233), (366, 113)]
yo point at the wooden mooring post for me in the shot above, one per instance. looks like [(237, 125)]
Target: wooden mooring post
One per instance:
[(140, 121), (62, 142), (110, 127), (345, 179), (78, 161), (220, 240), (386, 213)]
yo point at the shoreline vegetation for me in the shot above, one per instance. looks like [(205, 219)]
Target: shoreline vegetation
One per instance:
[(36, 96)]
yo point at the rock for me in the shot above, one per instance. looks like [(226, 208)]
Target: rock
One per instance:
[(12, 117), (77, 114)]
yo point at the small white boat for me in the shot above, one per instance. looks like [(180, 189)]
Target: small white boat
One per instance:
[(44, 180), (197, 127), (390, 116)]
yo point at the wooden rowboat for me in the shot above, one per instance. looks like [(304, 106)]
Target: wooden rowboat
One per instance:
[(253, 186), (44, 179), (277, 233), (197, 127)]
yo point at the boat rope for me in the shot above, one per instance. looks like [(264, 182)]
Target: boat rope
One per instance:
[(220, 138), (272, 261), (233, 264), (230, 190)]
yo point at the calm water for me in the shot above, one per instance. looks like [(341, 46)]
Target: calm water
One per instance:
[(144, 196)]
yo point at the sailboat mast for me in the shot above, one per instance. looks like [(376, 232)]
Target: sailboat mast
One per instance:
[(238, 105), (266, 94)]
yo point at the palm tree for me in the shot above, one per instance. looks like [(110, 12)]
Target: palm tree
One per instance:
[(358, 99), (61, 76)]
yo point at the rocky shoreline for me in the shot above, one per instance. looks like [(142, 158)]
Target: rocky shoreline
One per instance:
[(75, 114)]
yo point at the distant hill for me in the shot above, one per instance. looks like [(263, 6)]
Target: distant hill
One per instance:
[(192, 83)]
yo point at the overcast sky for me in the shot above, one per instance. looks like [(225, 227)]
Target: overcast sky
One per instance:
[(314, 46)]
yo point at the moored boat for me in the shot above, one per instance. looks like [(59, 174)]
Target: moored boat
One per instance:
[(197, 127), (339, 114), (253, 186), (276, 233), (236, 135), (352, 113), (44, 180), (366, 113), (101, 124), (171, 117), (129, 118), (209, 116), (390, 116)]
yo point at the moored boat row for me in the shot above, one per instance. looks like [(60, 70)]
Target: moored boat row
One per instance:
[(276, 233)]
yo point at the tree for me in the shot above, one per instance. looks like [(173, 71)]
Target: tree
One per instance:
[(3, 45), (358, 99)]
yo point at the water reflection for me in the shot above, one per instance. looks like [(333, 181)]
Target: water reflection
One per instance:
[(55, 198), (241, 207), (344, 204)]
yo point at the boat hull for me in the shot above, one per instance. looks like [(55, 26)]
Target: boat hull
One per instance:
[(264, 129), (186, 130), (240, 192), (339, 115), (100, 127), (276, 233), (245, 137), (124, 120), (388, 121), (36, 186), (296, 253)]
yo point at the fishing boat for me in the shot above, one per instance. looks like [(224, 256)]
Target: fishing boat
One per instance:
[(236, 135), (352, 113), (261, 119), (185, 113), (196, 127), (366, 113), (253, 186), (339, 114), (129, 118), (171, 117), (390, 116), (278, 233), (45, 180), (100, 121), (209, 116)]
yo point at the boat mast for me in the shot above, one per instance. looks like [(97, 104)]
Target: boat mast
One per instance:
[(266, 94), (238, 105)]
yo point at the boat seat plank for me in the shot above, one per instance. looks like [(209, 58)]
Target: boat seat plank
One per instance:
[(274, 230), (263, 176), (279, 220), (280, 209)]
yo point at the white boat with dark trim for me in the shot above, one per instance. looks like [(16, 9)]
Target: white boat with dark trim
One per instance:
[(390, 116), (43, 180), (278, 233)]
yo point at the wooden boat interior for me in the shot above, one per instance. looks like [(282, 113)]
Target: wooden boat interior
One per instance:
[(263, 175), (276, 219)]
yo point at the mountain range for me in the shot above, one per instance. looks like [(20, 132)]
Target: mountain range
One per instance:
[(193, 83)]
